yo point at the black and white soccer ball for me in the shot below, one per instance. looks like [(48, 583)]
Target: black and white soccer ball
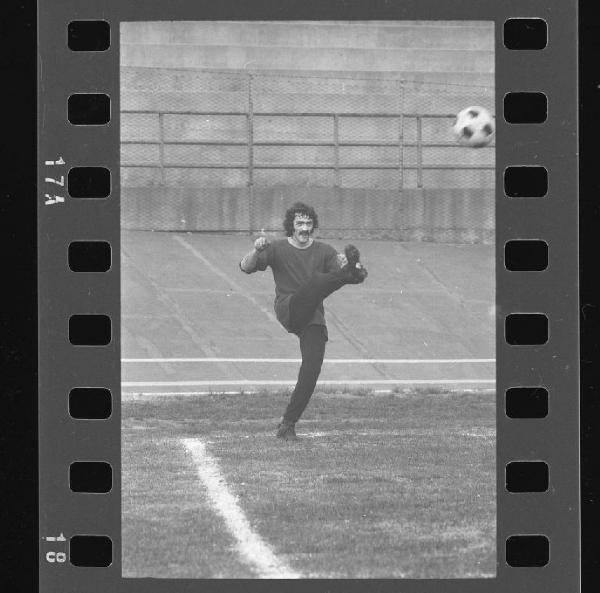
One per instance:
[(474, 127)]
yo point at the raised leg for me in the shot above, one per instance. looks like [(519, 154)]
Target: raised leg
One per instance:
[(308, 297)]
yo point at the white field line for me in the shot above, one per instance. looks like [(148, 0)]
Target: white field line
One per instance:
[(326, 360), (245, 392), (326, 382), (251, 547)]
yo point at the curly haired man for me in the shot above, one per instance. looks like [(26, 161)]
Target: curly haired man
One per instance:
[(306, 272)]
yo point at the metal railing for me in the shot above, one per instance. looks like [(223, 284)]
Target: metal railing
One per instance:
[(250, 164)]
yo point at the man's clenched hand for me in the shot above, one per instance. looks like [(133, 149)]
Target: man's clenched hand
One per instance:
[(261, 244)]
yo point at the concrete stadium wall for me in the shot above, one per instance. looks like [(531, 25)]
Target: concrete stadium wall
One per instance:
[(353, 68), (378, 47), (410, 101), (203, 80), (441, 215), (352, 34), (395, 60)]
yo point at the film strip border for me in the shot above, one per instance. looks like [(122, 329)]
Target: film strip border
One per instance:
[(537, 299), (536, 251), (79, 288)]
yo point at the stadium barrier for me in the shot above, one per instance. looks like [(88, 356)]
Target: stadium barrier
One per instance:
[(227, 152)]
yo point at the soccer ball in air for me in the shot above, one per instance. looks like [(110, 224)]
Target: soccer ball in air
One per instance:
[(474, 127)]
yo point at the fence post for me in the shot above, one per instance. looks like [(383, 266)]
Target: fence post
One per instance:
[(161, 147), (401, 139), (250, 126), (336, 140), (399, 207), (419, 151)]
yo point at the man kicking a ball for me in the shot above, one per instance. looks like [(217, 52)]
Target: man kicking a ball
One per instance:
[(305, 273)]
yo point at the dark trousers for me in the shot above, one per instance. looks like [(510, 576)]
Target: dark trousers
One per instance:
[(312, 337), (312, 347)]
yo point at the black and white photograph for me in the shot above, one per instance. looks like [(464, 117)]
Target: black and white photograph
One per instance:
[(308, 299)]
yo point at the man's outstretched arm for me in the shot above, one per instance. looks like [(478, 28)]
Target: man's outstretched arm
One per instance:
[(249, 261)]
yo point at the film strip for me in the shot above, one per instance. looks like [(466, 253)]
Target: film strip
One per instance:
[(80, 274)]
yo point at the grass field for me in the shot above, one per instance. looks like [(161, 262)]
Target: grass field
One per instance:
[(398, 485)]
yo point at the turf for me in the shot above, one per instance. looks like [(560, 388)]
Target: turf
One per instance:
[(378, 486)]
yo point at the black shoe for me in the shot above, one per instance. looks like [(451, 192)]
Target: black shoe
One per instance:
[(286, 431), (354, 269)]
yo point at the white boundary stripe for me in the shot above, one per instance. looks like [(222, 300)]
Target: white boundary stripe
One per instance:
[(196, 393), (253, 549), (327, 360), (326, 382), (238, 392)]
